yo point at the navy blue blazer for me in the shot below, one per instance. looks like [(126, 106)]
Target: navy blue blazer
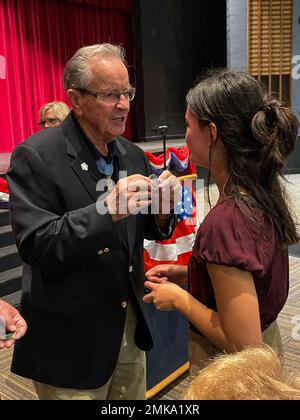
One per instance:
[(77, 276)]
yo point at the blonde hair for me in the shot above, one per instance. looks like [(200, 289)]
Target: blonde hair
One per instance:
[(254, 373), (60, 110)]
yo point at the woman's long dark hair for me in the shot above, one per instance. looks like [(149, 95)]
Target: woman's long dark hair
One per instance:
[(258, 132)]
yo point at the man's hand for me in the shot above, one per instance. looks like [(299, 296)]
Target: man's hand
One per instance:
[(129, 196), (170, 193), (167, 272), (14, 323)]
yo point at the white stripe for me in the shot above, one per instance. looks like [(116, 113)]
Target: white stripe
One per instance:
[(4, 196), (169, 252)]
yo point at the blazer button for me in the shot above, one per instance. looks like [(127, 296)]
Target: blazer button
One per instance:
[(124, 304), (100, 252), (130, 269), (106, 250)]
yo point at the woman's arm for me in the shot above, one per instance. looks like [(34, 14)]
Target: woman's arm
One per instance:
[(237, 322)]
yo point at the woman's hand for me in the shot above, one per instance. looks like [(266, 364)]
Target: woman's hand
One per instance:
[(167, 272), (166, 296)]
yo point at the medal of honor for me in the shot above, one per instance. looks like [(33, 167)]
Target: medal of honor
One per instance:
[(110, 184)]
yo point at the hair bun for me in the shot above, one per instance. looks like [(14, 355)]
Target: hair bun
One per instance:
[(271, 116)]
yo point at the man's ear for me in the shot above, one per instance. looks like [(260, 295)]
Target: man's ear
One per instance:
[(213, 131), (74, 100)]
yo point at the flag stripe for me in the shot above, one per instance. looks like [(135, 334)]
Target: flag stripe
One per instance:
[(182, 259), (169, 252)]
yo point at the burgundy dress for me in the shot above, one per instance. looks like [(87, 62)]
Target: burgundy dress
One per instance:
[(226, 237)]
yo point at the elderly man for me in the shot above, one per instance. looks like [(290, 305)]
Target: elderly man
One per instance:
[(82, 247)]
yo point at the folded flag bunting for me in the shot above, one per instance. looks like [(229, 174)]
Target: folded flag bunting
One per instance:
[(177, 249), (177, 160)]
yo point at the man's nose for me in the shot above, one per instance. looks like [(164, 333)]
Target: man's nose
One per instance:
[(123, 102)]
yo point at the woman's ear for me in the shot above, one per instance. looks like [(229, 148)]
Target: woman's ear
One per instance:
[(74, 100), (213, 131)]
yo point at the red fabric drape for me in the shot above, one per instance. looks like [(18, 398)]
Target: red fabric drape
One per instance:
[(124, 5), (37, 38)]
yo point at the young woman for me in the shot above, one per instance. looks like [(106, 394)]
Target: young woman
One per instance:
[(238, 275)]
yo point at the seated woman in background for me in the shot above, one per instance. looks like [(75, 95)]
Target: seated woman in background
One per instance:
[(238, 274), (52, 114), (255, 373)]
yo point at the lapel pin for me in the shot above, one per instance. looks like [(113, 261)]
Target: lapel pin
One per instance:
[(84, 166)]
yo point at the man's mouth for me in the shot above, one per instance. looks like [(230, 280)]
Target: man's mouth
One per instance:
[(120, 119)]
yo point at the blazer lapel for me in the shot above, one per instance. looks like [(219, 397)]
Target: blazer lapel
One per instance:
[(86, 170), (81, 163), (126, 165), (84, 175)]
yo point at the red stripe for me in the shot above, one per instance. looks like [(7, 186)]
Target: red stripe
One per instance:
[(3, 186), (157, 160)]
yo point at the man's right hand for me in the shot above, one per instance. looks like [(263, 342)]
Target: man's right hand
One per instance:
[(129, 196), (167, 272)]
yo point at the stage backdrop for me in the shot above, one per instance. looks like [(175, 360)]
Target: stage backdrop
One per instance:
[(37, 38)]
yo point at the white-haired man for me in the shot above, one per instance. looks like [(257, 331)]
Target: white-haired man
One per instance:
[(83, 253)]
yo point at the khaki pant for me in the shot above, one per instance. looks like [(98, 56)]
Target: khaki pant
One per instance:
[(128, 381), (201, 350)]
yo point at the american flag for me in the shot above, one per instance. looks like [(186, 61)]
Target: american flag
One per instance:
[(177, 249)]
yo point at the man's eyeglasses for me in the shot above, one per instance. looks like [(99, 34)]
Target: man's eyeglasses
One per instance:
[(50, 121), (110, 97)]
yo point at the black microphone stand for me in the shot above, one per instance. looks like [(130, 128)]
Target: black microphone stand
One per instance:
[(163, 129)]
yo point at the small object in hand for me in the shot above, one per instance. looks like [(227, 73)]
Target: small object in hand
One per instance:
[(193, 177), (4, 335), (154, 181)]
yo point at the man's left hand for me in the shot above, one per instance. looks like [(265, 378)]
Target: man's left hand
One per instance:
[(14, 323)]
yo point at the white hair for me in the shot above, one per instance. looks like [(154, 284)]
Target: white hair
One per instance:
[(77, 72)]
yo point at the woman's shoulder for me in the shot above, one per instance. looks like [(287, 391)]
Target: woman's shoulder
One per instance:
[(223, 212), (232, 237), (237, 220)]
